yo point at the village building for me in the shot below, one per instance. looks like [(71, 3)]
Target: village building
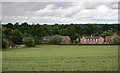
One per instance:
[(66, 40), (109, 39), (46, 39), (19, 46), (92, 40), (12, 45)]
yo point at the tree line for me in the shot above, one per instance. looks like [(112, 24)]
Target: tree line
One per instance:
[(17, 32)]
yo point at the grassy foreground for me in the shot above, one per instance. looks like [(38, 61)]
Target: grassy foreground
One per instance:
[(61, 58)]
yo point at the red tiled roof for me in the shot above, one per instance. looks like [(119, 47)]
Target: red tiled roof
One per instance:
[(66, 37), (108, 37), (114, 34)]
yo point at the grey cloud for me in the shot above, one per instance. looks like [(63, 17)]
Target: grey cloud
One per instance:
[(21, 9), (114, 5), (60, 0), (92, 5), (0, 11), (27, 8)]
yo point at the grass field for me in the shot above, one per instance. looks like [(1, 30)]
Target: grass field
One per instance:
[(61, 58)]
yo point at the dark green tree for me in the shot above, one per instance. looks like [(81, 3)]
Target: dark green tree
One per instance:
[(107, 33), (16, 37), (72, 32), (29, 42), (4, 43), (7, 32)]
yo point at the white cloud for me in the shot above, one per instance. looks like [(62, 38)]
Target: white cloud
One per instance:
[(103, 12), (114, 5), (75, 13), (78, 13), (51, 10), (0, 11), (60, 0)]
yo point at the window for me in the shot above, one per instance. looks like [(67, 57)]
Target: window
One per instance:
[(90, 39), (84, 40), (96, 40)]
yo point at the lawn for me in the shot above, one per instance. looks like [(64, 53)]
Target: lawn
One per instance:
[(61, 58)]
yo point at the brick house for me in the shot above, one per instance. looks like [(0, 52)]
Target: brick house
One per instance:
[(66, 40), (109, 39), (46, 39), (92, 40), (19, 46), (12, 45)]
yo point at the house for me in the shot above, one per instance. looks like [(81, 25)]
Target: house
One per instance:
[(19, 46), (109, 39), (66, 40), (46, 39), (10, 44), (92, 40)]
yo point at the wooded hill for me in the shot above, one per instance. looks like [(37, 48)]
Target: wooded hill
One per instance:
[(16, 32)]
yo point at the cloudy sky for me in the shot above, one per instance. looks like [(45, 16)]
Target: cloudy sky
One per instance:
[(60, 12)]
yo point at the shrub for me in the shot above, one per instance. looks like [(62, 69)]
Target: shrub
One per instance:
[(37, 40), (116, 40), (56, 39), (29, 42)]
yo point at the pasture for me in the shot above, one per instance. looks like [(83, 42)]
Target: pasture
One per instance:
[(61, 58)]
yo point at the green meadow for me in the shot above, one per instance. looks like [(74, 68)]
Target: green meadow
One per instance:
[(61, 58)]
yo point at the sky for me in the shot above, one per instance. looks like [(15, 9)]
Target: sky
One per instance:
[(51, 12)]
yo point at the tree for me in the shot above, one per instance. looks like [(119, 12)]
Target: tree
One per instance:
[(116, 40), (72, 32), (24, 24), (7, 33), (55, 29), (56, 40), (16, 37), (16, 25), (4, 42), (29, 42), (37, 40), (10, 25), (107, 33)]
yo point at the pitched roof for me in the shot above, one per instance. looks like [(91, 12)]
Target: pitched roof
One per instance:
[(114, 34), (66, 37), (46, 37), (92, 37), (108, 37)]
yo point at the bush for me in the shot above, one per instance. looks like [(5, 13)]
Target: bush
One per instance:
[(4, 42), (55, 39), (29, 42), (37, 40), (116, 40)]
